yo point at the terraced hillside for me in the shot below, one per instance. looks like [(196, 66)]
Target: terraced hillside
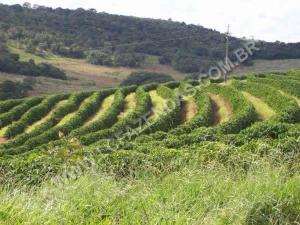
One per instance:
[(161, 128)]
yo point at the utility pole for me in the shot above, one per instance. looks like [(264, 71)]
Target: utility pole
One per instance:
[(227, 34)]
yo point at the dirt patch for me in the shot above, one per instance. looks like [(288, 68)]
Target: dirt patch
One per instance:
[(189, 110), (222, 110)]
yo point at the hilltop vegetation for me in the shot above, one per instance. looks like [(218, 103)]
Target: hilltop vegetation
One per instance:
[(123, 41), (137, 154)]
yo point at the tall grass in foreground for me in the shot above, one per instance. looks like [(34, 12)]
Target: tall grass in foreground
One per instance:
[(264, 195)]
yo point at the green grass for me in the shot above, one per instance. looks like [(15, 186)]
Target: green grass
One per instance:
[(158, 105), (210, 196)]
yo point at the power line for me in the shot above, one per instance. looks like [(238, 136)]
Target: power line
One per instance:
[(227, 49)]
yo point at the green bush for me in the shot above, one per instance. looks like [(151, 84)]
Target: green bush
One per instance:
[(140, 78), (7, 105), (34, 114), (286, 107), (124, 125), (244, 113), (170, 118), (18, 111), (107, 120), (43, 130)]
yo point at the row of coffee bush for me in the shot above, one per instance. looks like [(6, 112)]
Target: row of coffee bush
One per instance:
[(33, 115), (125, 125), (17, 112), (7, 105), (286, 107), (41, 134), (244, 113)]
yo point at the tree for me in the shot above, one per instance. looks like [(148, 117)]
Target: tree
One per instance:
[(143, 77), (27, 5), (10, 89)]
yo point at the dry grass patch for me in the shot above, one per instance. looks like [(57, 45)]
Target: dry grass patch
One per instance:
[(263, 110), (222, 110), (189, 109), (107, 102), (130, 104)]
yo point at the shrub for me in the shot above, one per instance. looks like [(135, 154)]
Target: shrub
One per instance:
[(124, 125), (7, 105), (286, 107), (140, 78), (10, 89), (34, 114), (170, 118), (39, 132), (244, 113), (18, 111), (108, 119)]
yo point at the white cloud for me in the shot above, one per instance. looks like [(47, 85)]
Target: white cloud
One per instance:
[(269, 20)]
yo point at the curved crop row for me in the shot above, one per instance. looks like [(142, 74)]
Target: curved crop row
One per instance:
[(18, 111), (170, 118), (286, 107), (33, 115), (203, 118), (244, 113), (41, 134), (105, 121), (277, 81), (131, 121), (7, 105)]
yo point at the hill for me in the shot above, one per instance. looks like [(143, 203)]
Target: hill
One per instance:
[(113, 40), (179, 152)]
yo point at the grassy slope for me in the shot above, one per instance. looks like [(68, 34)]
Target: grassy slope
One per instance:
[(211, 196), (269, 66), (84, 76)]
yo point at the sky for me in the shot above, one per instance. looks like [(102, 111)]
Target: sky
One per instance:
[(269, 20)]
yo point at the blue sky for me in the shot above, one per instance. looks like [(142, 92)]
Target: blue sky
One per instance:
[(269, 20)]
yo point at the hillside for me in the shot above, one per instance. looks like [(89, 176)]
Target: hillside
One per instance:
[(85, 76), (91, 50), (178, 152), (114, 40)]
